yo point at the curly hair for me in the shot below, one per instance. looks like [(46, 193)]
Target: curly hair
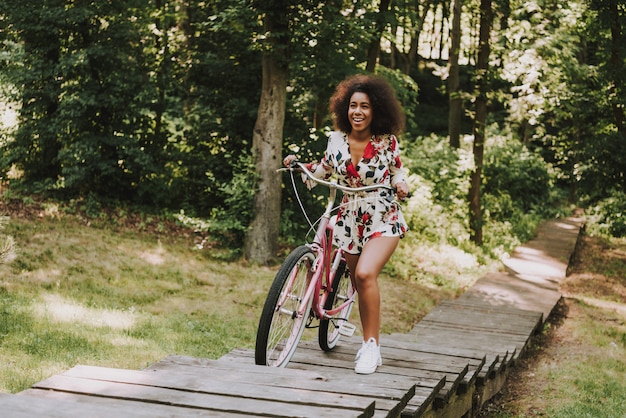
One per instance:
[(387, 114)]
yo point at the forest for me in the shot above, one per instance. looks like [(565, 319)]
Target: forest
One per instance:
[(515, 109)]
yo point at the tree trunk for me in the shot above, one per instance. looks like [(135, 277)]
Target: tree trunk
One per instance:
[(374, 49), (267, 139), (412, 57), (616, 63), (456, 104), (482, 67)]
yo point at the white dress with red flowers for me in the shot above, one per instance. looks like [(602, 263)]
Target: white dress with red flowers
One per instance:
[(366, 215)]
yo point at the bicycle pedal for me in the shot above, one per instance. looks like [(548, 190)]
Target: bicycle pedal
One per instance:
[(347, 329)]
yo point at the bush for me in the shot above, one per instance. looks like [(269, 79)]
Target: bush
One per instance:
[(608, 217), (519, 178), (438, 177)]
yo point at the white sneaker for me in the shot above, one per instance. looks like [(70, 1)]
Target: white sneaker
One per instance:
[(368, 357)]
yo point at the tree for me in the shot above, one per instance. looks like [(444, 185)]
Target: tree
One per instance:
[(262, 238), (35, 71), (456, 104), (482, 85), (616, 67), (374, 46)]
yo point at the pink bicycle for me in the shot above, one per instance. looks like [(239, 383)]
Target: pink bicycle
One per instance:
[(312, 284)]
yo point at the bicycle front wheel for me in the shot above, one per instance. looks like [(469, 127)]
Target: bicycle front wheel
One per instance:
[(280, 326), (342, 290)]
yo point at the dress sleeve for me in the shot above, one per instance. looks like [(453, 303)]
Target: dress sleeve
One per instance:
[(323, 169), (396, 169)]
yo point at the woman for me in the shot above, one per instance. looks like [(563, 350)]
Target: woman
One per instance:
[(363, 150)]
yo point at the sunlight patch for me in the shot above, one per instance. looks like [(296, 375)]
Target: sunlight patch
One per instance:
[(156, 256), (59, 309)]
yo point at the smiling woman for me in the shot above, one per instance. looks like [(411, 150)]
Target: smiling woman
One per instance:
[(364, 151)]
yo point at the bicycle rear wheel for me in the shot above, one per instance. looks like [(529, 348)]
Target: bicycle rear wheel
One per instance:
[(342, 289), (280, 328)]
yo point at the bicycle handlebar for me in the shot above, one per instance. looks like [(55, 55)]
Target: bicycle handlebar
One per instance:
[(298, 166)]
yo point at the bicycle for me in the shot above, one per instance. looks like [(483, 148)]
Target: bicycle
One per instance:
[(313, 283)]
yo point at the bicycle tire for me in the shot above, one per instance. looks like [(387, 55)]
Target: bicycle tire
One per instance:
[(279, 330), (329, 328)]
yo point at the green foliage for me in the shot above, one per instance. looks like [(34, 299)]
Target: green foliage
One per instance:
[(608, 216), (226, 227), (230, 222), (518, 193), (436, 178), (520, 176), (122, 100), (407, 91), (154, 103)]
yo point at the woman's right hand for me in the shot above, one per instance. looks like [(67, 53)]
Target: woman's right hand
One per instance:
[(289, 159)]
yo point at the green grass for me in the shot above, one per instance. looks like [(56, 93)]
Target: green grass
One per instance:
[(593, 382), (82, 295), (109, 296)]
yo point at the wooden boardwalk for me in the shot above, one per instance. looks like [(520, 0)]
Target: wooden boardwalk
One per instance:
[(454, 360)]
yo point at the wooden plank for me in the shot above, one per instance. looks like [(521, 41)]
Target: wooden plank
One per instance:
[(344, 353), (494, 317), (76, 405), (389, 399), (305, 358), (504, 312), (474, 341), (390, 353), (243, 388), (33, 403), (322, 373), (463, 329), (487, 362), (338, 364), (219, 402), (479, 322), (417, 405), (429, 329), (350, 384), (412, 341), (474, 305), (509, 290), (301, 360), (387, 375), (390, 368)]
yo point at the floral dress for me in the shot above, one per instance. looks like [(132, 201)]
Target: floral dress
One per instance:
[(365, 215)]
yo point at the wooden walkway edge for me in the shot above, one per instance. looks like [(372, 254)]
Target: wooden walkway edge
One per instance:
[(452, 362)]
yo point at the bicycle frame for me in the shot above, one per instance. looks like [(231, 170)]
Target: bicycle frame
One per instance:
[(323, 269)]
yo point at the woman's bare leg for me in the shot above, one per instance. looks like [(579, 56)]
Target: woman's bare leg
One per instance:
[(364, 269)]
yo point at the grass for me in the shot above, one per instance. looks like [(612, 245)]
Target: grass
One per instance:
[(78, 294), (126, 293)]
